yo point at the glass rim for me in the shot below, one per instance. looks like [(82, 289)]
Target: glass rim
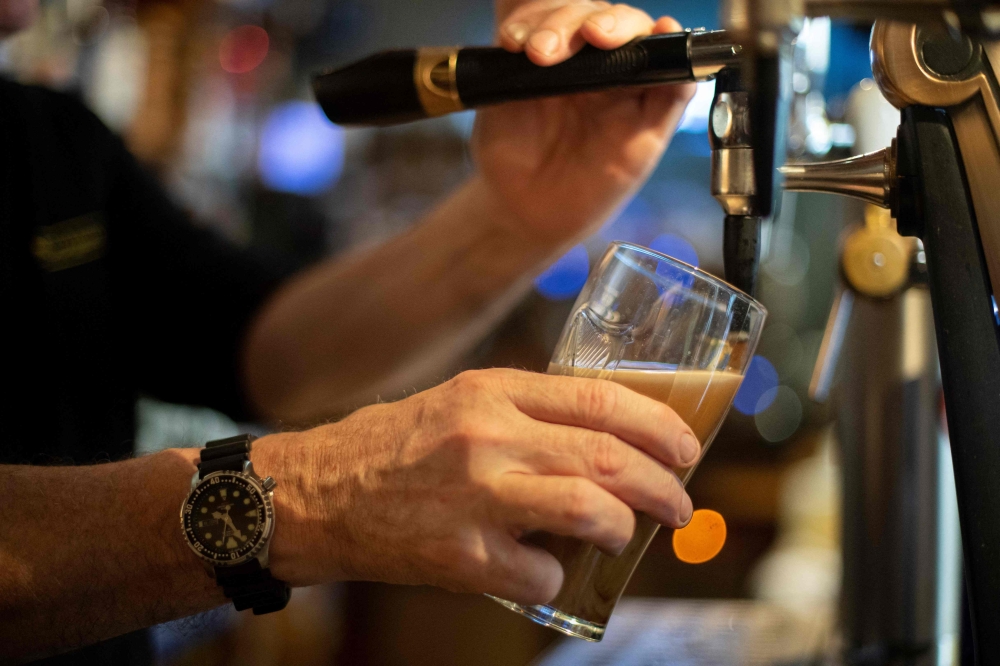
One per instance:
[(694, 271)]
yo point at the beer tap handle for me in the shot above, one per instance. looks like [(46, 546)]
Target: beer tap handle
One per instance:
[(833, 340), (400, 86)]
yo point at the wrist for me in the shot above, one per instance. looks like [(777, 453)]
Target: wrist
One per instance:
[(299, 534), (493, 246), (174, 470), (494, 212)]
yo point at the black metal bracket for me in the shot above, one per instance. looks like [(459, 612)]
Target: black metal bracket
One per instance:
[(939, 210)]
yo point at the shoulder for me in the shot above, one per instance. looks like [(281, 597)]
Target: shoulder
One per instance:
[(69, 148), (61, 115)]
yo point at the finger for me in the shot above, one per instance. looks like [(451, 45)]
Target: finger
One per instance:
[(598, 404), (566, 505), (518, 26), (615, 26), (558, 36), (523, 574), (627, 473), (666, 24)]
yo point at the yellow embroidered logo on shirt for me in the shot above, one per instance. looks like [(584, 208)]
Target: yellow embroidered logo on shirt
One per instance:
[(71, 242)]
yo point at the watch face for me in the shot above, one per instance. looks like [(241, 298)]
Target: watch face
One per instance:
[(226, 517)]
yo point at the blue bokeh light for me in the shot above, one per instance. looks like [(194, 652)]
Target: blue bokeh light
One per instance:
[(565, 278), (757, 390), (676, 247), (301, 151)]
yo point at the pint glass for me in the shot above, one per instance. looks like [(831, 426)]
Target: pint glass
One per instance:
[(674, 333)]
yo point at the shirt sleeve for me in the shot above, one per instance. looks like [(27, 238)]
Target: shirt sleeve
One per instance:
[(184, 295)]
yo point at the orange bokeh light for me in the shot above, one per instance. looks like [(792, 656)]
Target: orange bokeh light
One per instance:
[(702, 538), (243, 49)]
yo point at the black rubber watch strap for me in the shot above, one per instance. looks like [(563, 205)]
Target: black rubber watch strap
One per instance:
[(249, 585), (225, 454)]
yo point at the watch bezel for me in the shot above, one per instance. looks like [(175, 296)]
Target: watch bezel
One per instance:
[(266, 532)]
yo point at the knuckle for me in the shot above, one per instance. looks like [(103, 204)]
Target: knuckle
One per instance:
[(598, 400), (537, 583), (579, 508), (607, 459), (467, 552), (629, 10), (565, 15), (470, 380), (548, 584)]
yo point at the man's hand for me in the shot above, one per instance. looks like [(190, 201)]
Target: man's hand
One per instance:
[(562, 165), (550, 172), (439, 488)]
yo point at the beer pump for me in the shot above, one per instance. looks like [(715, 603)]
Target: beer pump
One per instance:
[(940, 179)]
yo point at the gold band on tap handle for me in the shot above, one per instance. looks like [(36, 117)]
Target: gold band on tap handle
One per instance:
[(435, 80)]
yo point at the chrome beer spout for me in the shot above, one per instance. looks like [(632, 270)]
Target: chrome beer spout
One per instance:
[(870, 177)]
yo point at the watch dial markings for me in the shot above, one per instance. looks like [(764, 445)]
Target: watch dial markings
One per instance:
[(233, 534)]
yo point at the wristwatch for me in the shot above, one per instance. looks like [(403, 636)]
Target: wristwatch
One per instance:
[(228, 521)]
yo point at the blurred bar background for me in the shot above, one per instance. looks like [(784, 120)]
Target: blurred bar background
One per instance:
[(213, 96)]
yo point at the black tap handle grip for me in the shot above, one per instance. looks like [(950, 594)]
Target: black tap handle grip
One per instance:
[(491, 76), (378, 90), (399, 86)]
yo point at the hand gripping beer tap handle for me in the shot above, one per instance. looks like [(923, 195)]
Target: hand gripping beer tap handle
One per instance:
[(394, 87)]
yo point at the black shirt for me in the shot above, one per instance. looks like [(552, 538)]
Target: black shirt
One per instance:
[(107, 290)]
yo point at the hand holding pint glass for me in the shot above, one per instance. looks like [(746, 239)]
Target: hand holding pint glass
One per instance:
[(670, 332)]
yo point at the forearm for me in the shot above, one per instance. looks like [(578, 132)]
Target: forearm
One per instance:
[(88, 553), (353, 328)]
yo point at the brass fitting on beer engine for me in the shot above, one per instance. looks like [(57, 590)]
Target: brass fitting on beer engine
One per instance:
[(876, 259)]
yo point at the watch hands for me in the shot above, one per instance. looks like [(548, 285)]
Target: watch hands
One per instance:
[(227, 522)]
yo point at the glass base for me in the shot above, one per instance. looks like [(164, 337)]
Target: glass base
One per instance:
[(556, 619)]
